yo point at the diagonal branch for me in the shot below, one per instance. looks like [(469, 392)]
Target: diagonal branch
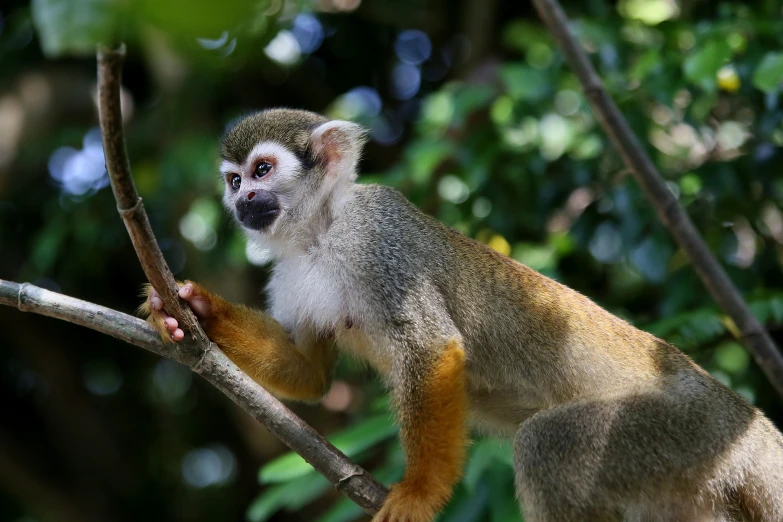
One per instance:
[(356, 483), (752, 333)]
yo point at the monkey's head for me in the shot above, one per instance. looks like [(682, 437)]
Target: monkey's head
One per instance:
[(284, 168)]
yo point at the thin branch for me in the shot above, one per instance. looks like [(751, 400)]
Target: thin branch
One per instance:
[(129, 204), (753, 335), (356, 483), (198, 352)]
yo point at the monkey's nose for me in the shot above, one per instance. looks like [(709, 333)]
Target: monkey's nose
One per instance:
[(258, 209)]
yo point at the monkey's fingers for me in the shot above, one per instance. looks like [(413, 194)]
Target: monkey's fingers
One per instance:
[(171, 326), (155, 301), (198, 299), (166, 325)]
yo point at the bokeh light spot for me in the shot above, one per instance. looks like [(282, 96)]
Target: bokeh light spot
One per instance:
[(453, 189), (482, 207), (406, 80), (210, 466), (284, 48), (606, 243), (79, 171), (413, 47), (309, 32)]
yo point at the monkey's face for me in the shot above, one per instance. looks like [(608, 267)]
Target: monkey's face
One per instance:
[(281, 167), (265, 187)]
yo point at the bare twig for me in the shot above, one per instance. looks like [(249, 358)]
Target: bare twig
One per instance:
[(753, 335), (198, 352), (356, 483), (129, 204)]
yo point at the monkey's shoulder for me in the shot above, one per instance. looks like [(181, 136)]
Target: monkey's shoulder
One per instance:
[(379, 220), (383, 204)]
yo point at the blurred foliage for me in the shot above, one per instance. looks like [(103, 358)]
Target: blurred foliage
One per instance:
[(481, 125)]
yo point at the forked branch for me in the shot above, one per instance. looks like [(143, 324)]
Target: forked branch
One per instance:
[(197, 351)]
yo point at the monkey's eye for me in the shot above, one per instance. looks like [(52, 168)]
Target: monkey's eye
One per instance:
[(235, 181), (262, 169)]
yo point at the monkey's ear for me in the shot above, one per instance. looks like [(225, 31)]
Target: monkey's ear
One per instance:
[(338, 144)]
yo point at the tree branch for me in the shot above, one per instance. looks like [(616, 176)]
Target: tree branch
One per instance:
[(753, 335), (356, 483), (129, 204), (197, 351)]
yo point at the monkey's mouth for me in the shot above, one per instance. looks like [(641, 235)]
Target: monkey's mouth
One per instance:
[(257, 209), (258, 220)]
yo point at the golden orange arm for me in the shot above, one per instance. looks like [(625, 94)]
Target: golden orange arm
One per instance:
[(262, 348)]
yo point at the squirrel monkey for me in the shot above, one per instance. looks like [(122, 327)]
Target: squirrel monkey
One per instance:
[(609, 423)]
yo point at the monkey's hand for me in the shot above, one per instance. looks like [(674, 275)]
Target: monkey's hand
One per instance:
[(256, 343), (199, 300)]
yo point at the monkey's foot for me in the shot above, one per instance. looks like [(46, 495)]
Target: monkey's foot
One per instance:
[(405, 504)]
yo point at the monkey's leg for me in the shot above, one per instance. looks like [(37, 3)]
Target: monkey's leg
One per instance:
[(679, 452), (432, 410), (254, 341)]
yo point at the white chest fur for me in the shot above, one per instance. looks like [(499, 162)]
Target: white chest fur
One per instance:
[(303, 292)]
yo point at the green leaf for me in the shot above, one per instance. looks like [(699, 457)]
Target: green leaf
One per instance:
[(344, 510), (650, 12), (645, 64), (689, 329), (521, 34), (701, 67), (424, 157), (470, 98), (203, 18), (292, 495), (776, 309), (486, 454), (365, 435), (761, 310), (437, 112), (73, 26), (769, 74), (468, 508), (523, 82), (352, 441), (503, 503)]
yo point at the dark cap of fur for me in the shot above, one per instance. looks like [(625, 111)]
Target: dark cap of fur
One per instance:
[(289, 127)]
